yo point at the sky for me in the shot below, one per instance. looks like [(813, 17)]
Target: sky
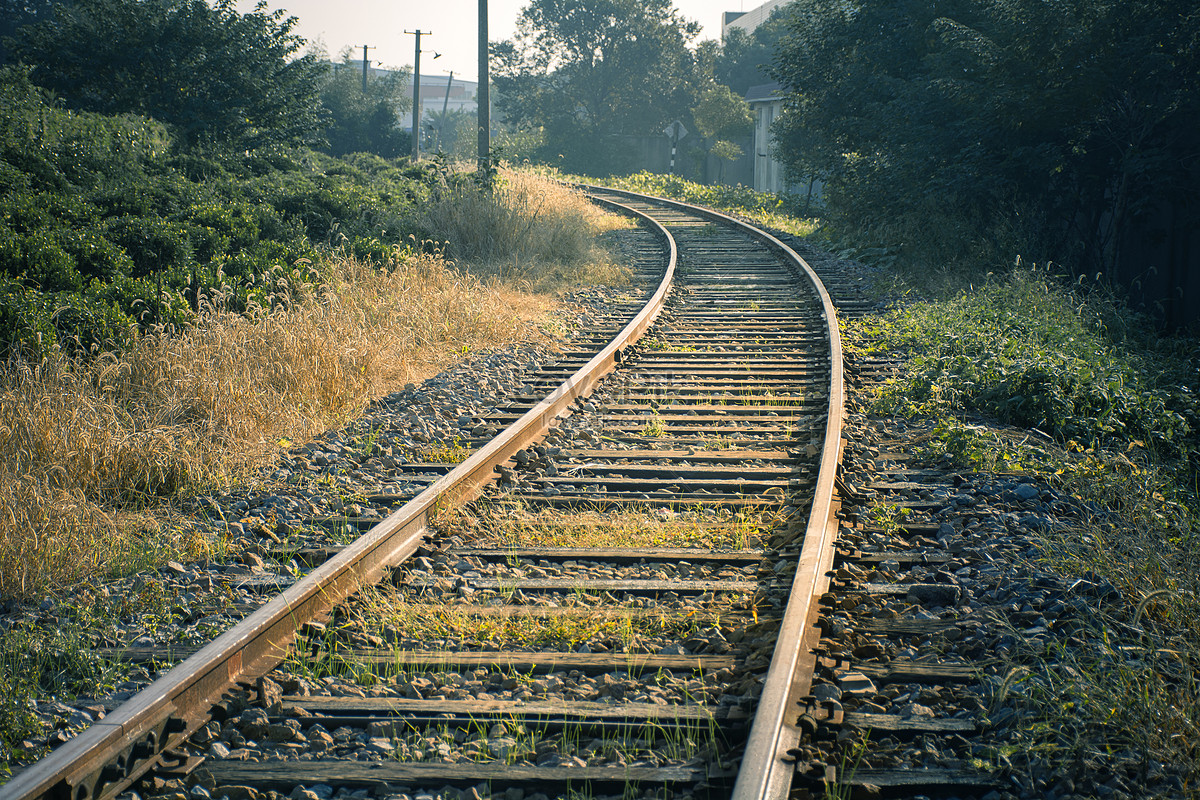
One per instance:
[(380, 24)]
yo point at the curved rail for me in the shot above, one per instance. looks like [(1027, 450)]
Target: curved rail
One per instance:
[(766, 770), (111, 754)]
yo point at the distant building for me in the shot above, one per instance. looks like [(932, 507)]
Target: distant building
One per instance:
[(437, 91), (442, 91), (749, 20), (767, 102)]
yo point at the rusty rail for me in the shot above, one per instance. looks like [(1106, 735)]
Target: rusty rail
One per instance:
[(766, 770), (113, 753)]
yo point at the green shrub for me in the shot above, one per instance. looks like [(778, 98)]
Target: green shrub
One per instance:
[(96, 207), (25, 326), (1023, 350), (236, 222), (85, 323), (47, 265), (41, 173), (95, 256), (198, 168), (152, 244)]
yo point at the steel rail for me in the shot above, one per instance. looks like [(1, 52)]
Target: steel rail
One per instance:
[(114, 752), (767, 769)]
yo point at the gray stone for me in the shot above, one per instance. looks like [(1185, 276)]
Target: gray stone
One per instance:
[(856, 684), (1026, 491), (935, 594), (826, 691)]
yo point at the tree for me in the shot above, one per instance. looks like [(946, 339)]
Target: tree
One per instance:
[(451, 131), (743, 59), (582, 70), (1079, 114), (720, 117), (210, 73), (16, 14), (366, 122)]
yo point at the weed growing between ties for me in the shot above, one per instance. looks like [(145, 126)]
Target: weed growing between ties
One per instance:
[(395, 613), (513, 525), (85, 444)]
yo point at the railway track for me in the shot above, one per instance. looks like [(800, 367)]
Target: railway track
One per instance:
[(715, 424), (637, 604)]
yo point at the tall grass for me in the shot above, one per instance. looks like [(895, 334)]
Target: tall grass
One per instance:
[(527, 229), (85, 445)]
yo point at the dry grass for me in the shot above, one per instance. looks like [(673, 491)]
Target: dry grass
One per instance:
[(528, 229), (83, 445), (384, 610), (509, 525)]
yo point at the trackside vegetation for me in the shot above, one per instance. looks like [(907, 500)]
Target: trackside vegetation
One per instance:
[(108, 227), (171, 314), (1026, 351), (1025, 374), (785, 212)]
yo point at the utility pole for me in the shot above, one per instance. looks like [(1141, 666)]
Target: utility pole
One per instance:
[(485, 138), (445, 105), (416, 127), (365, 62)]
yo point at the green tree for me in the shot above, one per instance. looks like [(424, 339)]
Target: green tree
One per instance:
[(1079, 114), (16, 14), (743, 59), (722, 116), (581, 70), (452, 132), (212, 74), (366, 122)]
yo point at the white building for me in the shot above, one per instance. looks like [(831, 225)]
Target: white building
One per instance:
[(749, 20), (444, 91), (766, 103)]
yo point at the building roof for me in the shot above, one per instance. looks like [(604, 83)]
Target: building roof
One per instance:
[(765, 92)]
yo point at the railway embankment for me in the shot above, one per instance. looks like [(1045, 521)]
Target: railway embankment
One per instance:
[(1012, 606)]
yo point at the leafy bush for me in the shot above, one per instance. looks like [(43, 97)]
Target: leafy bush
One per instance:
[(1022, 350), (45, 264), (89, 323), (103, 224)]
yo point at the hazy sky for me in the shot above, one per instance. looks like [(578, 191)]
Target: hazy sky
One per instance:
[(382, 24)]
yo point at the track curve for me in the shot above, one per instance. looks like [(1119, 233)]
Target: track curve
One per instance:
[(152, 730)]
